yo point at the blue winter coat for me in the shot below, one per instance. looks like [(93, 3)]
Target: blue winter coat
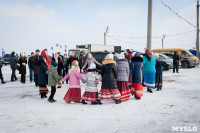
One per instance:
[(42, 76), (136, 69), (149, 65)]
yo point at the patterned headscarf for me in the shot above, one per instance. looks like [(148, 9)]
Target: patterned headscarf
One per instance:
[(148, 53), (73, 66), (46, 57)]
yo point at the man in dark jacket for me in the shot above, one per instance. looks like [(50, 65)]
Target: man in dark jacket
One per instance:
[(30, 65), (13, 66), (71, 59), (176, 59), (35, 66), (1, 75), (81, 60)]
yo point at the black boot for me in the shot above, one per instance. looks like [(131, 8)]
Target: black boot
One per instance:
[(50, 100), (158, 88), (45, 95), (99, 102), (2, 81), (42, 95), (94, 103), (83, 102), (150, 91), (54, 100), (118, 101), (137, 98)]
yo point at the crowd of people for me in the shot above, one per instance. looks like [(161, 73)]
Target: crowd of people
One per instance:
[(122, 75)]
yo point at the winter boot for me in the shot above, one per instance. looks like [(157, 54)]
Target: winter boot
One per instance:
[(45, 95), (50, 100), (42, 95), (99, 102), (83, 102), (54, 100), (94, 103), (2, 81), (150, 91), (118, 101)]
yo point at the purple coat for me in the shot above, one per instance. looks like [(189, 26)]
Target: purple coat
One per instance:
[(122, 69)]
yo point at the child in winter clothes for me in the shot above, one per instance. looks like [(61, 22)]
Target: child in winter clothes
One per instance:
[(53, 78), (74, 92), (91, 90)]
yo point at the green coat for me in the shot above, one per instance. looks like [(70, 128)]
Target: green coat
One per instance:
[(53, 76)]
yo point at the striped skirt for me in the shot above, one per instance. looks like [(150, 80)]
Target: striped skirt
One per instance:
[(124, 90), (159, 80), (90, 96), (149, 79), (137, 89), (109, 94)]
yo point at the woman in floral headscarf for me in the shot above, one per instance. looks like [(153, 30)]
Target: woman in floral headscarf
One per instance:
[(43, 65), (74, 92), (149, 70)]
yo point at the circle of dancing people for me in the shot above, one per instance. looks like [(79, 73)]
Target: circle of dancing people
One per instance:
[(122, 75)]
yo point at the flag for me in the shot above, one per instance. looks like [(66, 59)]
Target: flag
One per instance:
[(57, 45), (2, 49), (60, 46), (65, 46), (51, 47), (164, 36), (107, 29)]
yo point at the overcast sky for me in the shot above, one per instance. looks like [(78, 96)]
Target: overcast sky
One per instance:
[(27, 25)]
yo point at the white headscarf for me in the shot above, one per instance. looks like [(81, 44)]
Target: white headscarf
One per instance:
[(109, 57), (156, 55)]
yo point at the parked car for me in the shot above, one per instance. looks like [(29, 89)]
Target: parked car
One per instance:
[(167, 59), (6, 59), (99, 56), (185, 62), (165, 66)]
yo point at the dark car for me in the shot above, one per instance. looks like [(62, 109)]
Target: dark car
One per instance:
[(165, 66), (185, 62), (6, 59), (99, 56)]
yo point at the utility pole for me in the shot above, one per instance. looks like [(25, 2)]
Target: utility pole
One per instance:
[(149, 25), (104, 38), (162, 44), (197, 43)]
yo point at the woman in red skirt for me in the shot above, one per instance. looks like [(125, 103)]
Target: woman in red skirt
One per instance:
[(74, 92), (109, 89), (136, 76), (122, 77)]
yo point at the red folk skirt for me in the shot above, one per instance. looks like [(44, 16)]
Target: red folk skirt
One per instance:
[(124, 90), (43, 90), (137, 89), (90, 96), (73, 94), (109, 94)]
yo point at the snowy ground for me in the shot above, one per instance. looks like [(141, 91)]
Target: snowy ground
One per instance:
[(178, 104)]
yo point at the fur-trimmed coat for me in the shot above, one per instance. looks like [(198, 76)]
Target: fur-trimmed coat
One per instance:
[(109, 74)]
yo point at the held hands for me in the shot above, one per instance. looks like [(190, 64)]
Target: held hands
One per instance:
[(24, 64)]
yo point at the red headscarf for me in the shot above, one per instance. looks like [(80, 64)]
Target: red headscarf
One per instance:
[(48, 61), (129, 52), (148, 53)]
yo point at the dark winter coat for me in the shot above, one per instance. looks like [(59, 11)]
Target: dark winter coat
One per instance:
[(122, 66), (22, 68), (35, 64), (136, 69), (158, 66), (1, 63), (42, 76), (13, 62), (60, 64), (176, 57), (70, 60), (81, 57), (30, 64), (109, 75)]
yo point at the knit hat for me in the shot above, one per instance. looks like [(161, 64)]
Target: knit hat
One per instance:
[(32, 53), (37, 50), (92, 66), (109, 57), (54, 64)]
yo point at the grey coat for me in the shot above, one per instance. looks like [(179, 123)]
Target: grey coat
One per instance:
[(122, 69), (13, 62), (90, 61)]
